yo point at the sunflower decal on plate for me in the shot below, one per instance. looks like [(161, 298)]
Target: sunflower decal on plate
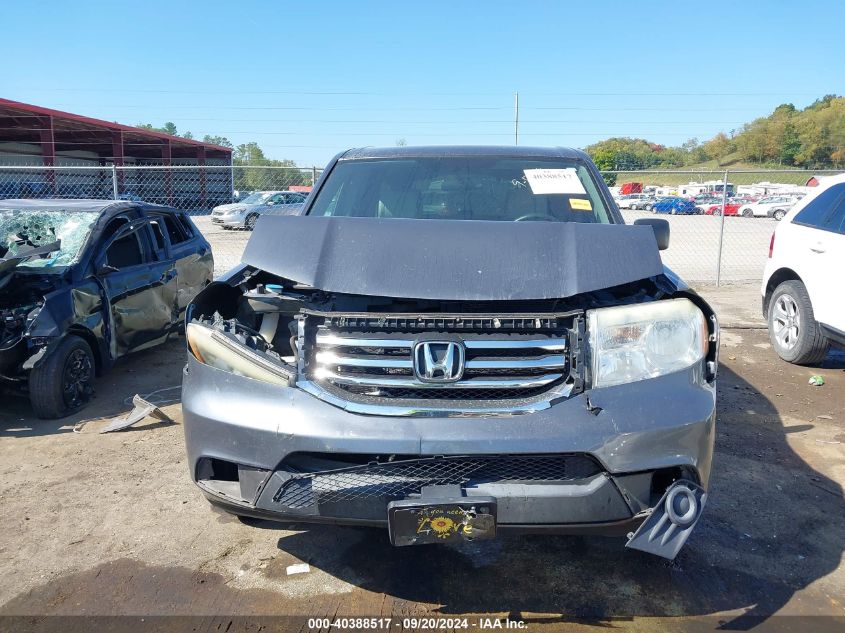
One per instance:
[(442, 525)]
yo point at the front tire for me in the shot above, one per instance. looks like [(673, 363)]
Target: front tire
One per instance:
[(747, 213), (249, 223), (62, 383), (778, 215), (793, 330)]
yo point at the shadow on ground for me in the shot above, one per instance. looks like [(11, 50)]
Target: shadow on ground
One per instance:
[(157, 369), (773, 526)]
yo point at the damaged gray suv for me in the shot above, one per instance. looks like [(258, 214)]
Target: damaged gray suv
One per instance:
[(453, 342)]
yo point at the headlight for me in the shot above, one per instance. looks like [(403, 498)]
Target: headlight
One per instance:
[(635, 342), (217, 349)]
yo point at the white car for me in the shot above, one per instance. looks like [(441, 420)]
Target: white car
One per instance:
[(771, 207), (633, 201), (245, 214), (803, 300)]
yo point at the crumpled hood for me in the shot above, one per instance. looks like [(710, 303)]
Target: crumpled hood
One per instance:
[(452, 259)]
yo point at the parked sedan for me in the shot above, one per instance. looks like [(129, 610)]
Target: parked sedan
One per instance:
[(704, 201), (84, 282), (675, 206), (244, 215), (771, 207), (732, 208), (632, 201)]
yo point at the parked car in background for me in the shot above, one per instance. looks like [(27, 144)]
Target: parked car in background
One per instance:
[(243, 215), (772, 207), (84, 282), (731, 208), (704, 201), (239, 195), (393, 364), (802, 293), (647, 203), (632, 201), (675, 205)]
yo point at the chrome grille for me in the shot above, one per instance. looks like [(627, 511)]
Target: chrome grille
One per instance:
[(508, 358)]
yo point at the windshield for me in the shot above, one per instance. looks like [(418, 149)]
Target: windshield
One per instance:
[(256, 198), (21, 230), (463, 188)]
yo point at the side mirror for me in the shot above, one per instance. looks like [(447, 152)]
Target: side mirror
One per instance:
[(660, 228), (106, 269)]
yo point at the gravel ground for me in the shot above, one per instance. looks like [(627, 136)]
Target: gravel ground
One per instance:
[(111, 524)]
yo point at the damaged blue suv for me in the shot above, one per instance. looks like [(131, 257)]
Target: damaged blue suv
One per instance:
[(453, 342)]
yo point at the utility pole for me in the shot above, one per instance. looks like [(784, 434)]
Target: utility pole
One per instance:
[(516, 118)]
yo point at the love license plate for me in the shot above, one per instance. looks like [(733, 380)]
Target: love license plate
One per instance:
[(412, 522)]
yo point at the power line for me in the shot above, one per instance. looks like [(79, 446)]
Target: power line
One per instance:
[(422, 93)]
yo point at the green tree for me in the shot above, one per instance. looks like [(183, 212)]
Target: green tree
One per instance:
[(260, 173), (718, 147), (217, 140), (248, 153), (167, 128)]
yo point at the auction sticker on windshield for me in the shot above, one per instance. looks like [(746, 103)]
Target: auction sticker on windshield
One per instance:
[(546, 181)]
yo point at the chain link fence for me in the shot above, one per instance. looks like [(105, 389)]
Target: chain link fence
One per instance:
[(715, 238), (708, 246)]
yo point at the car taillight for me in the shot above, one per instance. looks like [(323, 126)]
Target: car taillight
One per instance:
[(771, 245)]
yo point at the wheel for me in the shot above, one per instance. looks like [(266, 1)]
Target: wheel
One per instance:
[(778, 214), (717, 212), (249, 223), (674, 211), (747, 213), (793, 330), (62, 383), (649, 207), (226, 228), (633, 207)]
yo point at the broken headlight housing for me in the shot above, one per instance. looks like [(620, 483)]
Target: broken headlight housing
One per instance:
[(220, 349), (646, 340)]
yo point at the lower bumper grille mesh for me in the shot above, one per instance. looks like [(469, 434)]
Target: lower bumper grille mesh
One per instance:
[(396, 480)]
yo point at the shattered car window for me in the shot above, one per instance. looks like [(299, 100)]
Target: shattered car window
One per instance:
[(463, 188), (22, 230)]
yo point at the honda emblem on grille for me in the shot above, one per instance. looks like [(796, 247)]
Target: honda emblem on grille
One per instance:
[(438, 361)]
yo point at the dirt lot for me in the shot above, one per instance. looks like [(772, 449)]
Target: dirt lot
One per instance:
[(111, 525)]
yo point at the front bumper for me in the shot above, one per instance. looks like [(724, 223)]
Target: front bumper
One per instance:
[(646, 434), (233, 221)]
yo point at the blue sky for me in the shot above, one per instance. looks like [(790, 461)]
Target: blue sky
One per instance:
[(306, 80)]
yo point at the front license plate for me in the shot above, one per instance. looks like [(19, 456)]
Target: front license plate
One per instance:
[(416, 523)]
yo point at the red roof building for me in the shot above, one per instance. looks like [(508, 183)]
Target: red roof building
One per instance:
[(46, 140)]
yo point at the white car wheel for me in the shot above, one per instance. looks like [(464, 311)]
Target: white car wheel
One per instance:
[(793, 330), (786, 321)]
